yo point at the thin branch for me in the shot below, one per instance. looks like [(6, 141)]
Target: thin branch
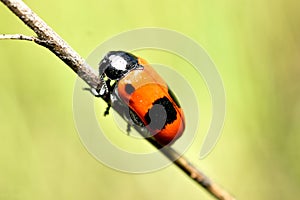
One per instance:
[(52, 41), (17, 37)]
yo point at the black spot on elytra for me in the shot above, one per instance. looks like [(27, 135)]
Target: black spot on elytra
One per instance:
[(129, 89), (160, 114)]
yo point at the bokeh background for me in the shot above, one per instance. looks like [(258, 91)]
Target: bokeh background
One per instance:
[(255, 46)]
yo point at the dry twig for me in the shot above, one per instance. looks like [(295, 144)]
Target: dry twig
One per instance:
[(52, 41)]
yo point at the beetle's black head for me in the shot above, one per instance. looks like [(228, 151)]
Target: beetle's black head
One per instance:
[(116, 64)]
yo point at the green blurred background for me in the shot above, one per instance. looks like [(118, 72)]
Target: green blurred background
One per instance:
[(255, 46)]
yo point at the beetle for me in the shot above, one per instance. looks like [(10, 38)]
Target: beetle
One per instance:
[(151, 102)]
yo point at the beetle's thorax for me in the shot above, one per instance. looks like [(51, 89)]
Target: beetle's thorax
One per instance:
[(117, 64)]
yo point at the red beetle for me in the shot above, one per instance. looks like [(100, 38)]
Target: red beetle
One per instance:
[(150, 100)]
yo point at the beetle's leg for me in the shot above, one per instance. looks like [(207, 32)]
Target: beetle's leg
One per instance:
[(93, 91), (128, 129), (106, 112), (110, 89), (101, 89)]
